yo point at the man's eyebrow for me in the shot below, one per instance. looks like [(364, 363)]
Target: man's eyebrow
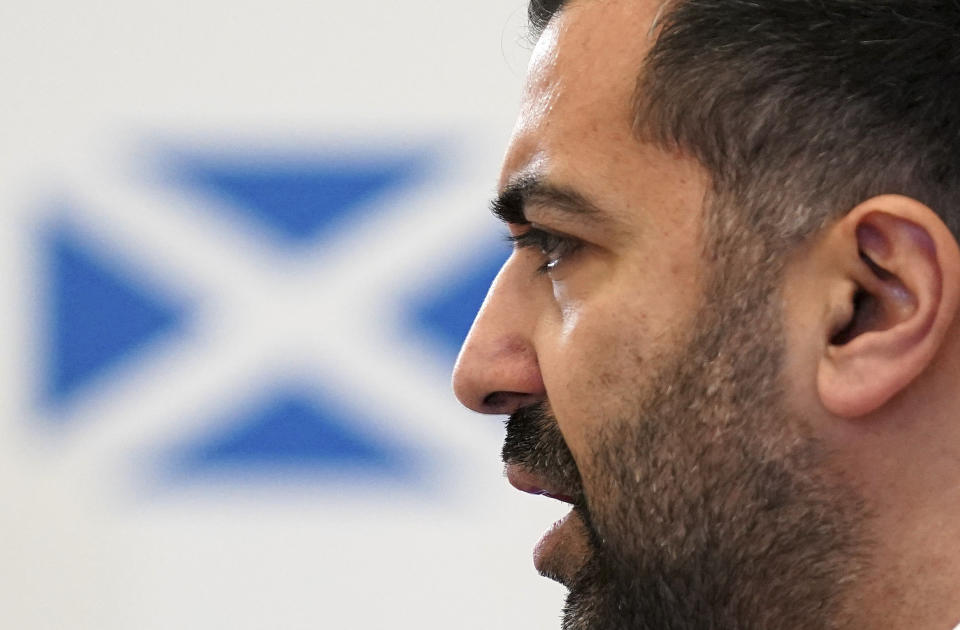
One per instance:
[(509, 206)]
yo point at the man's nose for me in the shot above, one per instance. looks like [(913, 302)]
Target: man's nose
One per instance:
[(497, 371)]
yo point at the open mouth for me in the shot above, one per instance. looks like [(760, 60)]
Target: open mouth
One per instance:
[(564, 548), (525, 481)]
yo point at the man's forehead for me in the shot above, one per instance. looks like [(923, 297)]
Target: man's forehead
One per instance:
[(582, 78), (595, 37)]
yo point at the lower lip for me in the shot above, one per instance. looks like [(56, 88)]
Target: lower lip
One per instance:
[(559, 552)]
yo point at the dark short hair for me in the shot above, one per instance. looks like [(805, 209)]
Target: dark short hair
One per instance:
[(800, 109)]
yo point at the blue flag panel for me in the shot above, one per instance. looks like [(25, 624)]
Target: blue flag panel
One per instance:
[(299, 201), (294, 432), (98, 315)]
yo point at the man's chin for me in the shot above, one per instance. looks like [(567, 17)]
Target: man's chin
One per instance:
[(564, 549), (594, 601)]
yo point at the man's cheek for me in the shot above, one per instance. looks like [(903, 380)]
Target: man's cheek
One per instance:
[(570, 310), (580, 402)]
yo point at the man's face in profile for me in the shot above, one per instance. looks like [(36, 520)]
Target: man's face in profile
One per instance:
[(646, 382)]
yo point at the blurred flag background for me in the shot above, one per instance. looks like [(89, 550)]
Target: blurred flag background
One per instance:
[(241, 243)]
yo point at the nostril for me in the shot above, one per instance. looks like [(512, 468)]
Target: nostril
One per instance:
[(494, 400), (505, 402)]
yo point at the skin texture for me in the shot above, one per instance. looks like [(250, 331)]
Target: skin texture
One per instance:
[(823, 384)]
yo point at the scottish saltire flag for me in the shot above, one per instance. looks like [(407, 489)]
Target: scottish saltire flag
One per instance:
[(241, 245)]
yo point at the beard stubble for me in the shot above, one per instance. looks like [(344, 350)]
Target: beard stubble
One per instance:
[(706, 503)]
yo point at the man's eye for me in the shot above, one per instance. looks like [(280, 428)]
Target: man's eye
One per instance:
[(553, 247)]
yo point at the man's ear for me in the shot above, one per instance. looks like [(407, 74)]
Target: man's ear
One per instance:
[(896, 268)]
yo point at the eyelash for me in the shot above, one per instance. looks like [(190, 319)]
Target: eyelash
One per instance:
[(551, 246)]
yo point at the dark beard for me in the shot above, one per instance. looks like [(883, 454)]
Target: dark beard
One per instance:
[(706, 507), (534, 441)]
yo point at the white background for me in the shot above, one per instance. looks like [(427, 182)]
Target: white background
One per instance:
[(88, 92)]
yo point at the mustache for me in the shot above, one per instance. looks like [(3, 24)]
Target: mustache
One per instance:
[(534, 441)]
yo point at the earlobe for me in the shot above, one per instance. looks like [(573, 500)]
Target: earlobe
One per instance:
[(900, 266)]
